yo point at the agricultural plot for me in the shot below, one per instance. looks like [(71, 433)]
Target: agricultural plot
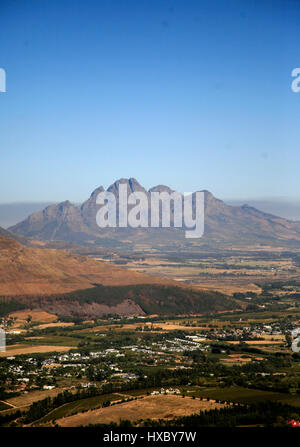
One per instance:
[(34, 349), (34, 396), (245, 395), (4, 406), (79, 406), (150, 407)]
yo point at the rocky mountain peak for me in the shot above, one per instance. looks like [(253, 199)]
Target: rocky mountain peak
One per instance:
[(132, 186), (96, 192), (161, 188)]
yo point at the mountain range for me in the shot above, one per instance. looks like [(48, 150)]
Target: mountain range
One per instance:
[(222, 224)]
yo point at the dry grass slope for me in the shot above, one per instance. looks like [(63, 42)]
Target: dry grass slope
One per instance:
[(151, 407), (26, 271)]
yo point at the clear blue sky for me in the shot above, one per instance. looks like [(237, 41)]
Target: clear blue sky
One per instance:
[(193, 94)]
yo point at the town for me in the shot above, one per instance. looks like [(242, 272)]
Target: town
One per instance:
[(107, 362)]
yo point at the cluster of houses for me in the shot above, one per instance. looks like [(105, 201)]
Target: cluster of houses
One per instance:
[(189, 343), (244, 333), (166, 391)]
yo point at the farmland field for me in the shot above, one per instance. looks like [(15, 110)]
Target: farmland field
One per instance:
[(79, 406), (4, 406), (152, 407), (34, 396), (34, 349), (245, 395)]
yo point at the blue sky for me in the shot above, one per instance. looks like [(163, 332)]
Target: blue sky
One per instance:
[(193, 94)]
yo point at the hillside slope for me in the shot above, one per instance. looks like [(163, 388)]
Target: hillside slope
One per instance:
[(132, 300), (43, 279), (26, 270)]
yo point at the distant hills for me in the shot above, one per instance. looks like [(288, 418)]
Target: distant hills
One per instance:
[(11, 213), (284, 207), (223, 224)]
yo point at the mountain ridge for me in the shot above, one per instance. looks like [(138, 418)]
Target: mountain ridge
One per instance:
[(67, 222)]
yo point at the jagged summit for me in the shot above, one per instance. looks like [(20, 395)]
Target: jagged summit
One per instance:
[(97, 191), (132, 186)]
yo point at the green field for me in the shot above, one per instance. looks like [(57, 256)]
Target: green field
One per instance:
[(79, 406), (244, 395), (58, 340), (4, 406)]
